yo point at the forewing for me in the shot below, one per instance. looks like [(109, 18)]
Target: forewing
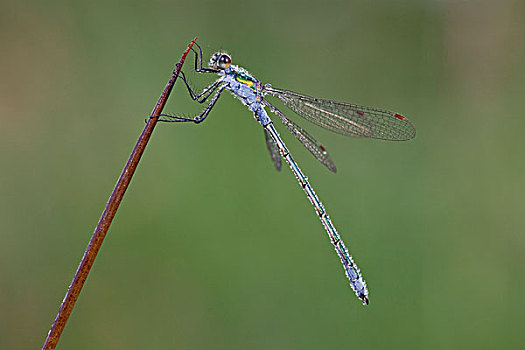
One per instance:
[(346, 118)]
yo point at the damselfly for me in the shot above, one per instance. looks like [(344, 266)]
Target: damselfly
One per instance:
[(344, 118)]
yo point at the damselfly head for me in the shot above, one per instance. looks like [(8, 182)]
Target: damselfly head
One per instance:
[(220, 60)]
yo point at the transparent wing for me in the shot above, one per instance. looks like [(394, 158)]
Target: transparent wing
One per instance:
[(274, 151), (311, 144), (346, 118)]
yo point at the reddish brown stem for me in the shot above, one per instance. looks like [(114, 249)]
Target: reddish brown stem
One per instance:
[(109, 213)]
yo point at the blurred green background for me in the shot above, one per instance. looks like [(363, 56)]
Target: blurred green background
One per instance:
[(214, 249)]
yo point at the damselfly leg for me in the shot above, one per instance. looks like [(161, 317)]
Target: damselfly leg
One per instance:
[(199, 118), (199, 97), (204, 94), (198, 57)]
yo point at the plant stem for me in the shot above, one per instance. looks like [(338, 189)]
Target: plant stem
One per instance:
[(109, 213)]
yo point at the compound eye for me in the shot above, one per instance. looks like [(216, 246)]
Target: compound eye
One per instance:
[(224, 61)]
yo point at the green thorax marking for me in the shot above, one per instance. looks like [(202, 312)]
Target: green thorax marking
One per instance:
[(246, 79)]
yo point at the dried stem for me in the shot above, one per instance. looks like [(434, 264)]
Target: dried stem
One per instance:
[(109, 213)]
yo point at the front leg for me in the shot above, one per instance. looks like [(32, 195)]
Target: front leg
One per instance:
[(200, 68)]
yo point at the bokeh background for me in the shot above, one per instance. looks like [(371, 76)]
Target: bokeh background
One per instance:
[(214, 249)]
